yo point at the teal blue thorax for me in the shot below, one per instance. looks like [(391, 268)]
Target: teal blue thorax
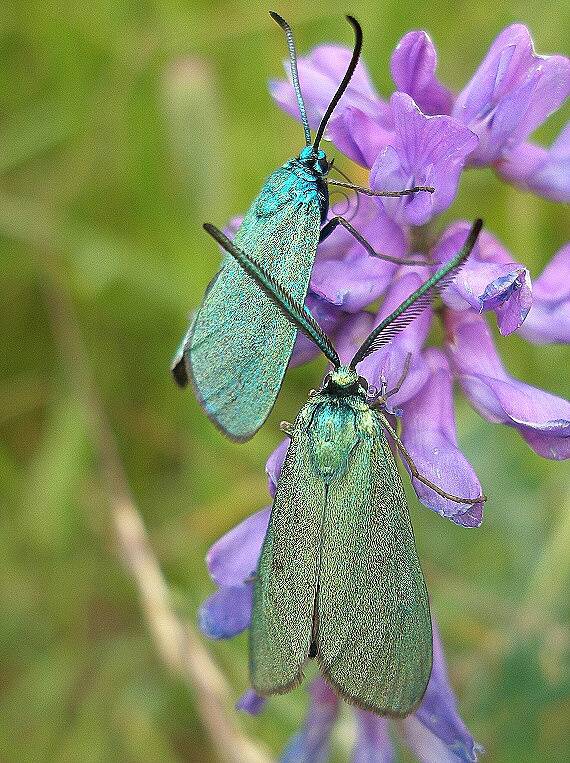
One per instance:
[(339, 416), (301, 181)]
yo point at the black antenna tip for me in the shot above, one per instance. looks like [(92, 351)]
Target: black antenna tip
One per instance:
[(279, 19), (475, 230), (355, 25)]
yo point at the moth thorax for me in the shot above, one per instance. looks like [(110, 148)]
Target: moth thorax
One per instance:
[(344, 377), (315, 160)]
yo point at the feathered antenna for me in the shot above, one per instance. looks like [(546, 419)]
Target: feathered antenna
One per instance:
[(299, 315), (417, 302)]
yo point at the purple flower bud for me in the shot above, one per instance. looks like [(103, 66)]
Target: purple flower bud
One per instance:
[(312, 743), (413, 66), (227, 612), (320, 73), (489, 280), (512, 92), (430, 437), (541, 170), (549, 319), (541, 418), (233, 557), (251, 702), (373, 742), (274, 465)]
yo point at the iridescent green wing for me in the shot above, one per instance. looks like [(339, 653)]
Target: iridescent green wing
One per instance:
[(240, 344), (374, 638), (285, 586)]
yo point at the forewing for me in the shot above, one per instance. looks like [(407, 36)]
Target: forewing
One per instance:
[(241, 343), (374, 639), (285, 585)]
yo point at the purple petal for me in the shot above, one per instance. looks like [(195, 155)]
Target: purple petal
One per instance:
[(426, 151), (510, 296), (344, 273), (435, 732), (233, 558), (512, 92), (359, 135), (549, 319), (227, 612), (251, 702), (387, 364), (328, 316), (232, 227), (430, 437), (373, 743), (312, 743), (352, 282), (413, 66), (320, 73), (544, 171), (489, 280), (274, 464), (354, 332), (553, 285), (541, 418)]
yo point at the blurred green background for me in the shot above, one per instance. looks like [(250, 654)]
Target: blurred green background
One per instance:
[(123, 126)]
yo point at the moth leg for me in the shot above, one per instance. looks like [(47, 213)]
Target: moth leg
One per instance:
[(331, 224), (392, 194), (379, 401), (287, 428), (402, 378), (415, 473)]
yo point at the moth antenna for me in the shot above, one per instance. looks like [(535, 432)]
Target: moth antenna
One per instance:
[(299, 315), (294, 73), (417, 302), (346, 79)]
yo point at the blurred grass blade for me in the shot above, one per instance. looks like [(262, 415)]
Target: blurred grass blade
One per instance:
[(32, 133), (53, 478), (195, 123)]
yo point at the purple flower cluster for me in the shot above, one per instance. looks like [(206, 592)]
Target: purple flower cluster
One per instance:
[(425, 135)]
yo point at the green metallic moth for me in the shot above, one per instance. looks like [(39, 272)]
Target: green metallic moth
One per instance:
[(238, 346), (339, 578)]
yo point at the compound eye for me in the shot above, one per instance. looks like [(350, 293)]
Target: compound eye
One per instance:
[(327, 380), (363, 383)]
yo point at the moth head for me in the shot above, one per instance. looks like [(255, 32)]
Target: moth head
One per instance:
[(346, 380), (315, 160)]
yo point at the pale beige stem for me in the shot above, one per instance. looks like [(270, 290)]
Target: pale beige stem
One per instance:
[(178, 643)]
